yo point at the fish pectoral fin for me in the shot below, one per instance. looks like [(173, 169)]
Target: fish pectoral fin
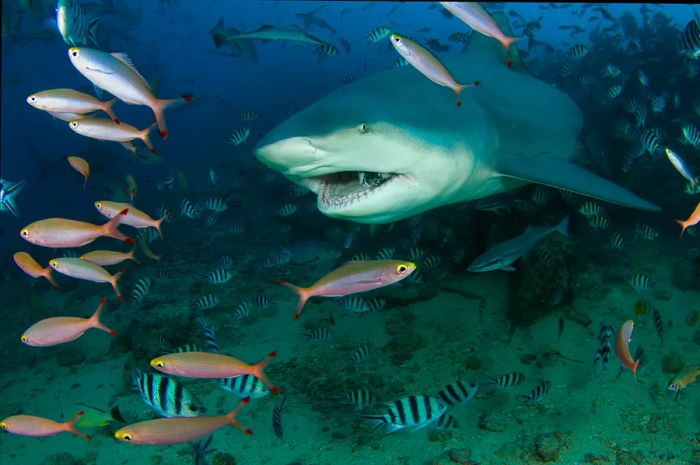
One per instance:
[(551, 170), (97, 70)]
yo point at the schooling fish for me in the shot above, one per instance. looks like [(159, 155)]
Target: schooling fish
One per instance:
[(61, 329), (70, 101), (211, 365), (458, 392), (352, 278), (692, 220), (538, 392), (277, 418), (104, 129), (109, 257), (686, 376), (622, 350), (509, 379), (134, 216), (28, 425), (32, 268), (75, 27), (115, 73), (245, 386), (94, 417), (82, 269), (165, 431), (474, 15), (680, 165), (165, 395), (81, 166), (411, 411), (428, 64), (63, 233)]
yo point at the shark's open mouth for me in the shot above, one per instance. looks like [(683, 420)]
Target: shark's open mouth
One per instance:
[(343, 188)]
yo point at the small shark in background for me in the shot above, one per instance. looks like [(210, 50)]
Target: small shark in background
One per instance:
[(393, 144), (242, 49), (309, 19), (8, 193)]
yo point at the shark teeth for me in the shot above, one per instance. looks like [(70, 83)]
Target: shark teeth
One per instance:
[(342, 189)]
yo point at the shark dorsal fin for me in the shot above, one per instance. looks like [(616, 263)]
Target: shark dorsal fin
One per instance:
[(485, 46), (124, 58)]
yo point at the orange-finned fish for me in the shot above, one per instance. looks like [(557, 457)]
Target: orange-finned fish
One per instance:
[(70, 101), (28, 425), (61, 329), (622, 349), (62, 232), (692, 220), (428, 64), (104, 129), (115, 73), (109, 257), (32, 268), (683, 378), (176, 430), (135, 217), (83, 269), (131, 187), (474, 15), (351, 278), (81, 166), (211, 365)]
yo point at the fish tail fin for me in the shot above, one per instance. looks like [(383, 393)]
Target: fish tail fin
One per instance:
[(231, 416), (111, 230), (85, 182), (161, 105), (145, 136), (683, 226), (70, 425), (117, 414), (508, 41), (377, 420), (258, 372), (48, 274), (132, 255), (95, 319), (114, 281), (563, 226), (303, 296), (107, 108), (159, 223), (460, 87)]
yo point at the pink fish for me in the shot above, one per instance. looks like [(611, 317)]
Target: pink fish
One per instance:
[(62, 232), (622, 349), (211, 365), (109, 257), (28, 425), (135, 217), (32, 268), (58, 330), (176, 430), (352, 278), (692, 220), (83, 269)]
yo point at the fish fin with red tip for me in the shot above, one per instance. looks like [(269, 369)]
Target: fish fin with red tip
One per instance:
[(95, 319), (145, 137), (110, 228), (114, 282), (302, 292), (682, 223), (161, 105), (231, 417), (70, 425), (107, 108), (258, 372)]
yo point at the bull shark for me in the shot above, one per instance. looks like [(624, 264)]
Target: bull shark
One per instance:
[(394, 144), (268, 32)]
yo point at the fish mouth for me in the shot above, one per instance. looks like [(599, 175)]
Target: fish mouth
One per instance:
[(342, 189)]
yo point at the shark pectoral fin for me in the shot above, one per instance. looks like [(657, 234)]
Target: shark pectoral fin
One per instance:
[(551, 170)]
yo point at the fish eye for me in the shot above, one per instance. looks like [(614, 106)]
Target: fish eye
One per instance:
[(159, 364), (363, 128), (126, 437), (3, 425), (396, 39), (74, 124), (401, 269), (53, 263), (32, 98), (98, 204), (24, 233), (24, 338)]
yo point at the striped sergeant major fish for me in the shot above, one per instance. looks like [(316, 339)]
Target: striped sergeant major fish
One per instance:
[(166, 396), (75, 27), (538, 392), (245, 386), (209, 336), (277, 418), (690, 40), (360, 398), (510, 379), (416, 411), (458, 392), (602, 354)]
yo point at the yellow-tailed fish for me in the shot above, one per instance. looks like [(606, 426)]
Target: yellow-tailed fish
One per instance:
[(70, 101), (692, 220), (81, 166), (428, 64), (135, 217), (83, 269), (94, 417), (27, 264), (29, 425), (165, 431), (62, 232), (352, 278), (115, 73), (61, 329), (212, 366), (105, 129), (109, 257)]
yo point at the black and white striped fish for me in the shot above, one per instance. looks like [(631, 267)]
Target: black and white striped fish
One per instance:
[(430, 262), (166, 184), (163, 212), (400, 63), (190, 347), (188, 210), (141, 290), (691, 135), (211, 220), (510, 379), (239, 136), (262, 301), (645, 232), (216, 204), (598, 222), (378, 34), (690, 40), (447, 422), (617, 241), (415, 253), (225, 261), (277, 418), (245, 386), (578, 51), (361, 353), (319, 334), (161, 274), (650, 140), (249, 115), (546, 258), (209, 335), (168, 397), (538, 392), (605, 338), (75, 27), (416, 411), (361, 256), (288, 209), (458, 392), (348, 79), (206, 302), (658, 104), (641, 282), (236, 229), (360, 398), (242, 311), (346, 45), (363, 305), (385, 254), (613, 91), (327, 50), (219, 276), (658, 324)]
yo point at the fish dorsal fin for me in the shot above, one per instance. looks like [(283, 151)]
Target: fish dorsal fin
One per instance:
[(124, 58)]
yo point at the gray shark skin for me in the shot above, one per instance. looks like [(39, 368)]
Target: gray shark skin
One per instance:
[(395, 144), (8, 192)]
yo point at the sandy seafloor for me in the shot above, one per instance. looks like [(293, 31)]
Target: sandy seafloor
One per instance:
[(604, 421)]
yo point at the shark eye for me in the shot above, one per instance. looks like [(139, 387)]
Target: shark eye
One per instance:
[(363, 128)]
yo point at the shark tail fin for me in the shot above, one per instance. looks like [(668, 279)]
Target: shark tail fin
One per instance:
[(551, 170)]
